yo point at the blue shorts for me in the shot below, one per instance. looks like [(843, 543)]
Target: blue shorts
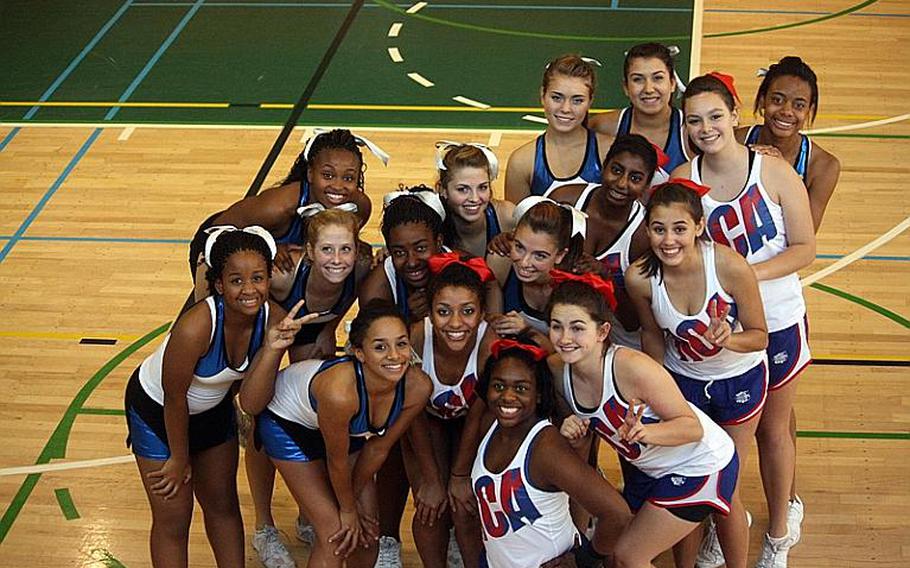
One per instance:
[(788, 353), (148, 435), (287, 440), (728, 401), (674, 491)]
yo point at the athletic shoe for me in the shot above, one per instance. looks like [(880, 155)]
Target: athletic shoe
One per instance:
[(710, 554), (389, 553), (305, 532), (453, 554), (272, 552), (795, 513), (774, 552)]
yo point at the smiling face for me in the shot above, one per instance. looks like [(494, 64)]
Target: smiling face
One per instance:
[(411, 245), (386, 350), (672, 232), (625, 178), (649, 85), (244, 283), (787, 105), (534, 255), (456, 314), (333, 175), (566, 102), (335, 252), (709, 122), (512, 393), (575, 334), (468, 192)]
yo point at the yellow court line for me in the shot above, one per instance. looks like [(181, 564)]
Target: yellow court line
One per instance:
[(103, 104), (65, 336), (890, 358)]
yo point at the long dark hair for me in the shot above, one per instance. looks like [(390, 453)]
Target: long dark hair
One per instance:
[(668, 194)]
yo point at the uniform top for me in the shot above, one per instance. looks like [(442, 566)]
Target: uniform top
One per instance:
[(543, 181), (522, 524), (674, 146), (688, 352), (294, 400), (451, 401), (514, 300), (493, 226), (213, 374), (704, 457), (753, 225), (398, 287), (294, 234), (310, 331), (801, 165)]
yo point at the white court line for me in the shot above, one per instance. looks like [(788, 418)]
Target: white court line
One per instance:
[(127, 132), (495, 139), (860, 126), (857, 254), (698, 11), (416, 8), (62, 466), (307, 133), (532, 118), (420, 79), (470, 102), (395, 29), (177, 126), (395, 55)]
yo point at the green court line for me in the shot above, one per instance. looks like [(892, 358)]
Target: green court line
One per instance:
[(617, 39), (895, 317), (56, 444), (103, 411), (880, 136), (854, 435), (106, 558), (65, 500)]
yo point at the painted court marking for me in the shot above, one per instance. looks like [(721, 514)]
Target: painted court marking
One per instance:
[(860, 126)]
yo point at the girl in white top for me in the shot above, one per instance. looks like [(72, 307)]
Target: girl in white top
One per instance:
[(453, 343), (759, 206), (525, 472), (702, 319), (678, 465)]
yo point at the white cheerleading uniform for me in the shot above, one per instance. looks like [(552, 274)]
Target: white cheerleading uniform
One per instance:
[(753, 225), (687, 351), (523, 526), (704, 457), (451, 401), (617, 258), (212, 375), (292, 400)]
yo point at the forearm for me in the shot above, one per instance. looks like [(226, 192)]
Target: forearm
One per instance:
[(368, 463), (258, 385), (419, 437), (748, 341), (177, 426), (796, 257), (674, 432), (653, 345), (341, 479), (470, 439)]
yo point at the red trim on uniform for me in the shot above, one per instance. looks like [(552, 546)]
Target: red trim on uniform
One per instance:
[(757, 409), (793, 374), (791, 377)]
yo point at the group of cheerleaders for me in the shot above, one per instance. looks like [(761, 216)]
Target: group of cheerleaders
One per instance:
[(497, 341)]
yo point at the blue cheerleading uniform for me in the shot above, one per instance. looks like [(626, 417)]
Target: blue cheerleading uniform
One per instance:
[(543, 182), (674, 146), (514, 300), (801, 164), (310, 331), (294, 234)]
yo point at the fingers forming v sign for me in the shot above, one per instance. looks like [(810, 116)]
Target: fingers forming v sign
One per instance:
[(719, 331), (282, 335), (632, 430)]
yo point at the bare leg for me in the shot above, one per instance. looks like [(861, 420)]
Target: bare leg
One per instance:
[(431, 541), (392, 483), (260, 474), (169, 537), (793, 437), (651, 531), (215, 485), (777, 455)]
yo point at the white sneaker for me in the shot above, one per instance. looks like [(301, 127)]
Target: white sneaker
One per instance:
[(389, 553), (710, 554), (305, 532), (453, 554), (795, 513), (272, 552), (774, 552)]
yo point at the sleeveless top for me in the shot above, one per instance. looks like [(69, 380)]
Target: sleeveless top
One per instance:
[(294, 401), (294, 234), (704, 457), (753, 225), (493, 227), (543, 181), (514, 300), (522, 525), (687, 351), (398, 287), (213, 374), (310, 331), (801, 165), (451, 401), (674, 147)]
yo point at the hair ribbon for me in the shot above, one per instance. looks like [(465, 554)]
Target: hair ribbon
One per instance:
[(579, 218), (476, 264), (360, 140), (428, 197), (500, 345), (215, 232), (312, 209), (603, 287), (662, 158), (696, 188), (727, 81), (443, 147)]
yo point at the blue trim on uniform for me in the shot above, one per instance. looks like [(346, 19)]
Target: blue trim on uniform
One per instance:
[(514, 300), (216, 358), (310, 331), (144, 442), (294, 234), (543, 177), (360, 423), (493, 227), (673, 147), (402, 294), (801, 164), (325, 366)]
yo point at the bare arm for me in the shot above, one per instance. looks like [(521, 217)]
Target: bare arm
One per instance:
[(604, 122), (375, 285), (824, 173), (519, 172), (638, 287), (736, 275), (273, 209)]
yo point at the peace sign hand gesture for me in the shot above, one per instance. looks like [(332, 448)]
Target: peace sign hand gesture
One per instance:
[(719, 331), (632, 429), (281, 335)]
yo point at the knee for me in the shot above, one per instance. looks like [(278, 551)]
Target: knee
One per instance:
[(624, 555)]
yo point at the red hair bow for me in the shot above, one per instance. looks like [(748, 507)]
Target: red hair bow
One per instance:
[(697, 188), (440, 261), (500, 345), (662, 158), (727, 80), (603, 287)]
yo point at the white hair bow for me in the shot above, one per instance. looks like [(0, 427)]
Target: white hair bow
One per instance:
[(315, 208), (443, 146), (429, 198), (579, 218), (588, 60), (761, 72), (361, 141), (215, 232)]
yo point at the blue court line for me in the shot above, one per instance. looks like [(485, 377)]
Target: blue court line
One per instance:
[(69, 69), (18, 235)]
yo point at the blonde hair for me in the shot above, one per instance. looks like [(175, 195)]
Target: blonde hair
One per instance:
[(462, 156), (329, 217), (571, 65)]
